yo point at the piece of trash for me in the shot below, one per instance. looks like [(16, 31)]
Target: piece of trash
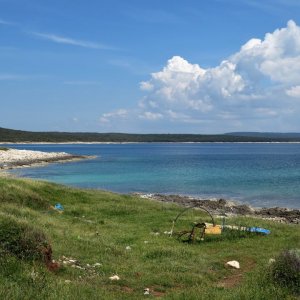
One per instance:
[(154, 233), (67, 281), (97, 265), (59, 207), (234, 264), (146, 242), (259, 230), (128, 248), (114, 277), (168, 232), (271, 261), (146, 291)]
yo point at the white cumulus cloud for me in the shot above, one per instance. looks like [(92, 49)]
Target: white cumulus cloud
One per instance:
[(256, 82), (294, 91), (107, 117)]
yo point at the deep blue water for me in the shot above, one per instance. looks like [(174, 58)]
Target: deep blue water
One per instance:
[(258, 174)]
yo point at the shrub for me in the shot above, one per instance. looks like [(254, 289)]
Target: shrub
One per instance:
[(286, 270), (23, 240)]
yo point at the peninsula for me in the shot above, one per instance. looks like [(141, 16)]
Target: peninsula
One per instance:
[(14, 158)]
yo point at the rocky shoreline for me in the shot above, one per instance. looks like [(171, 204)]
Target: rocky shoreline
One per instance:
[(229, 208), (13, 158)]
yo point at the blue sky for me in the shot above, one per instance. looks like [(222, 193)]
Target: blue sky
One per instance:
[(150, 66)]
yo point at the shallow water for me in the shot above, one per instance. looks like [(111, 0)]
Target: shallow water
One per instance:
[(257, 174)]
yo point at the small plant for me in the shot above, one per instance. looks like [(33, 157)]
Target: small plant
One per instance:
[(286, 270), (4, 149)]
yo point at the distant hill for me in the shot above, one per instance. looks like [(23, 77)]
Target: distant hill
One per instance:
[(276, 135), (19, 136)]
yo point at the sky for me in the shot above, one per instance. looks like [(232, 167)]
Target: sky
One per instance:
[(159, 66)]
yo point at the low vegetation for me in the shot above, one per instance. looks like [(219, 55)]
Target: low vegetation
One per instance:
[(285, 270), (101, 234)]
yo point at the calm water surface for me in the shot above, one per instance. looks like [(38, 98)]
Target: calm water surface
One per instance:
[(258, 174)]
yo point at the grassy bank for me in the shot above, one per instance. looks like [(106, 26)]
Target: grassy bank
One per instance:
[(97, 227)]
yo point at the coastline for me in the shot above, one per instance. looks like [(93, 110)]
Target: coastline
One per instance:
[(13, 158), (228, 208), (120, 143)]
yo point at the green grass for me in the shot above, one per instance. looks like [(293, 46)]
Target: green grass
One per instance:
[(97, 226)]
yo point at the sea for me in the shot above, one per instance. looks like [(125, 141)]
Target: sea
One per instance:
[(258, 174)]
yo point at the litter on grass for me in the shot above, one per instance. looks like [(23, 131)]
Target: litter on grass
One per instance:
[(234, 264), (114, 277), (200, 229)]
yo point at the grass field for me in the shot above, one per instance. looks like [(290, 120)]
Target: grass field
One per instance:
[(125, 234)]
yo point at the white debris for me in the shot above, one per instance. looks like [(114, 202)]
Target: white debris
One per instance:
[(34, 275), (234, 264), (168, 232), (146, 242), (67, 281), (97, 265), (128, 248), (146, 291), (114, 277), (271, 261), (155, 233), (146, 196)]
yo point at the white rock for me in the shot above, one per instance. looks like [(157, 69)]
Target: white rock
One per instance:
[(97, 265), (271, 261), (234, 264), (114, 277), (128, 248), (154, 233)]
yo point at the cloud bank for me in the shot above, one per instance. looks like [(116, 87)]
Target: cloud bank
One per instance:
[(256, 88)]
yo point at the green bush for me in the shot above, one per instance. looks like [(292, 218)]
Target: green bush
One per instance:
[(23, 240), (286, 270)]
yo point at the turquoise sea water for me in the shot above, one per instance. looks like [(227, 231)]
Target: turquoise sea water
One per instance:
[(258, 174)]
